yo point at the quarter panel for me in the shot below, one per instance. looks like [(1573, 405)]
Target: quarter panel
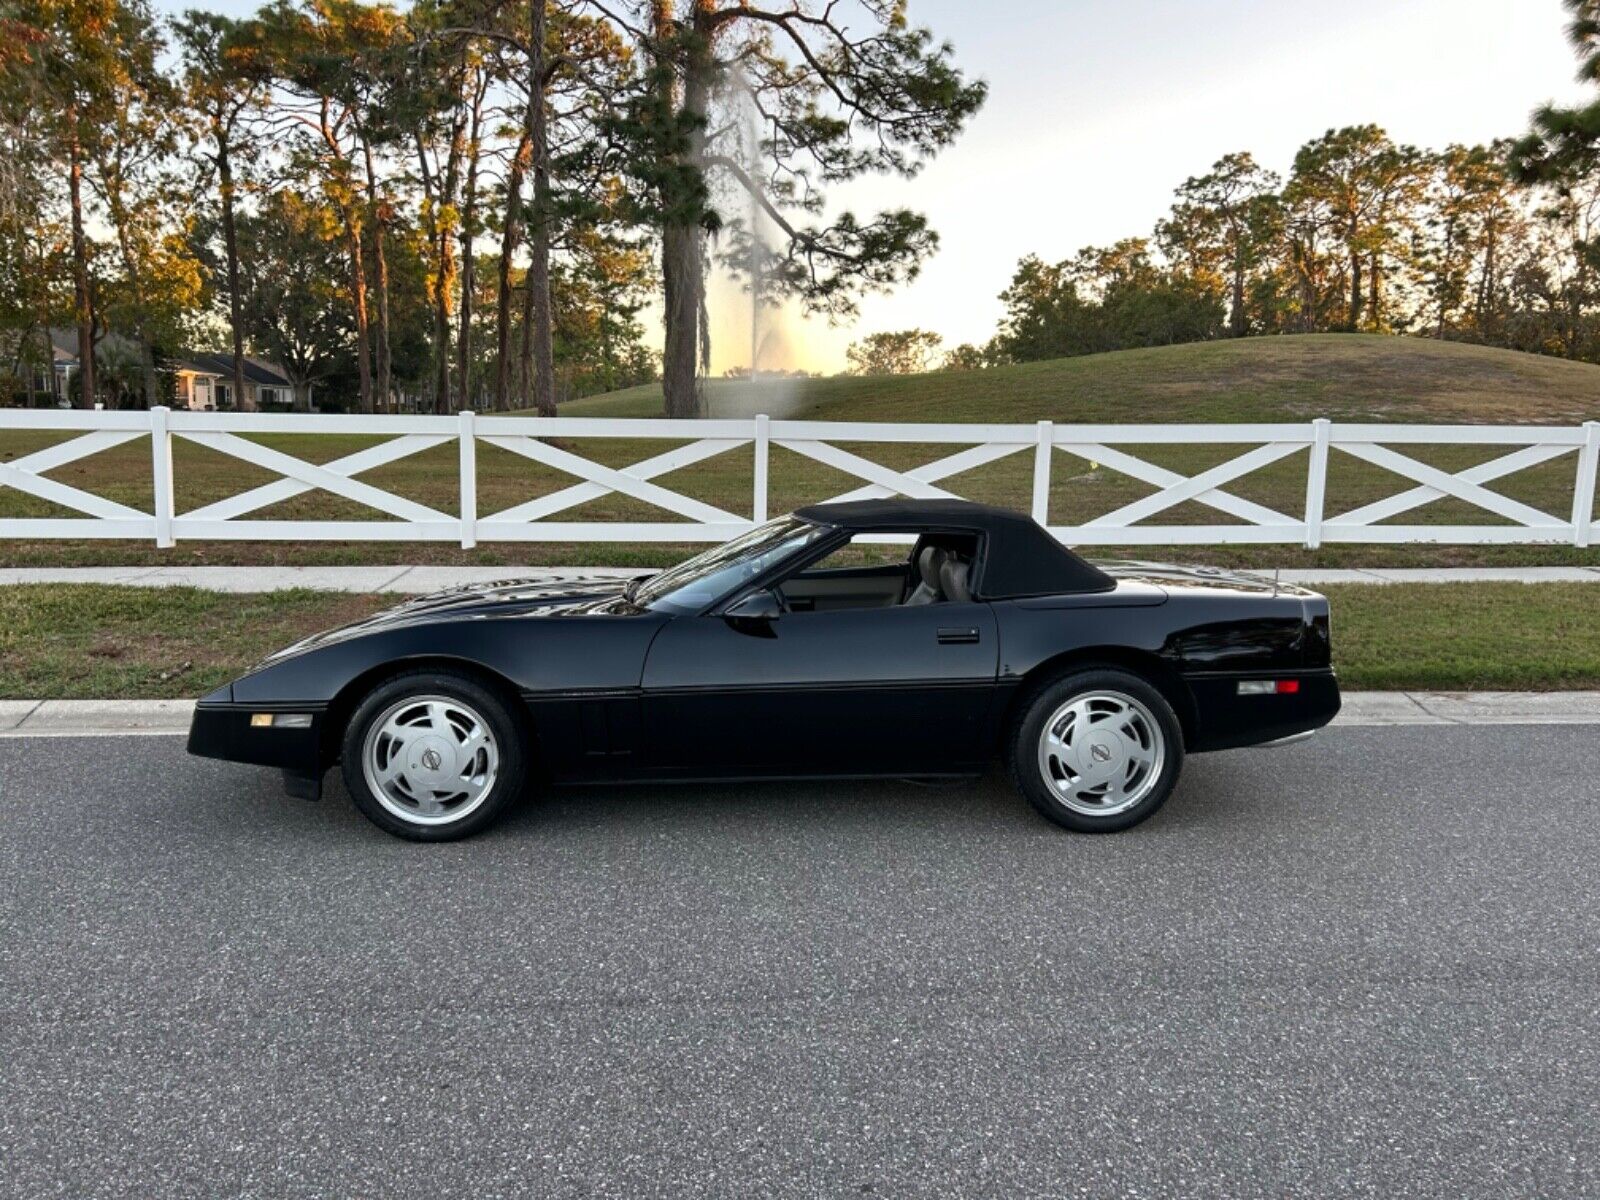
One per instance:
[(1206, 637)]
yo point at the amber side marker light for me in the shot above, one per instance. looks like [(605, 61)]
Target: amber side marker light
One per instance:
[(1268, 687), (280, 720)]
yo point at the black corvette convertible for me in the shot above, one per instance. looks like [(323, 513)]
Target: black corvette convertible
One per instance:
[(813, 645)]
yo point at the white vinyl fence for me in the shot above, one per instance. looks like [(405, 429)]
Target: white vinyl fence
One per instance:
[(692, 442)]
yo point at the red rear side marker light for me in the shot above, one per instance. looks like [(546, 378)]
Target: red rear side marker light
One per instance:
[(1268, 687)]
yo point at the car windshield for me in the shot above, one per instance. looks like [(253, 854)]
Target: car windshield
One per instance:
[(691, 585)]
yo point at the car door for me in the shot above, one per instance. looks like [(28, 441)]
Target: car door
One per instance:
[(891, 690)]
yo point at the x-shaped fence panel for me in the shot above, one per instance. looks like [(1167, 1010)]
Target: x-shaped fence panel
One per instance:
[(1125, 525), (100, 517), (601, 479), (1175, 488), (1526, 523), (236, 517), (306, 478), (531, 438), (301, 476), (918, 481)]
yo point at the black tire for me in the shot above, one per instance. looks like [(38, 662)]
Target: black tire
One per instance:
[(1053, 801), (507, 742)]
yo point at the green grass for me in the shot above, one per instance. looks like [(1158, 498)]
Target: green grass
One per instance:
[(1347, 377), (94, 641), (1355, 377), (1467, 636)]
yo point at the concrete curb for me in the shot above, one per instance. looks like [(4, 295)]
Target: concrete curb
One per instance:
[(93, 718), (419, 580), (1470, 708), (125, 718)]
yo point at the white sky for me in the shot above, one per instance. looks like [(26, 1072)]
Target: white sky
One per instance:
[(1098, 108)]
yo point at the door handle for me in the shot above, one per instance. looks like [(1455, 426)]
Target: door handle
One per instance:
[(962, 636)]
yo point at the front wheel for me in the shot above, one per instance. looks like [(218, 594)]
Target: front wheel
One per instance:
[(1097, 750), (433, 756)]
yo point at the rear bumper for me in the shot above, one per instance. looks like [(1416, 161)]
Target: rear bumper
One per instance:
[(224, 731), (1224, 719)]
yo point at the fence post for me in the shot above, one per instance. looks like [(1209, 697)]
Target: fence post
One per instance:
[(161, 474), (1317, 480), (759, 500), (469, 479), (1583, 491), (1042, 453)]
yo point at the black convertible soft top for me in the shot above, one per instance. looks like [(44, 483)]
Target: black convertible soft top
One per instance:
[(1020, 558)]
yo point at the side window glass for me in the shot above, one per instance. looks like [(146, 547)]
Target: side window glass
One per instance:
[(869, 573)]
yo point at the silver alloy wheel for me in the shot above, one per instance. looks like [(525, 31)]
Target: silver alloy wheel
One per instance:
[(430, 760), (1101, 753)]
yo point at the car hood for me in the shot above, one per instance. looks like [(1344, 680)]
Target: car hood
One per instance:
[(577, 594), (550, 595)]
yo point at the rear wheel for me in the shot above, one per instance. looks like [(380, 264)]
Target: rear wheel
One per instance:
[(433, 756), (1097, 750)]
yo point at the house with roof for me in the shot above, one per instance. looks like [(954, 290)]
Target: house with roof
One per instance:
[(205, 382), (202, 381)]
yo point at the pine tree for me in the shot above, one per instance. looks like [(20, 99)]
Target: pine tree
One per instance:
[(832, 97)]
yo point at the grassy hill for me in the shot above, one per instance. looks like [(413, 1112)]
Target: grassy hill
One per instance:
[(1364, 377), (1350, 377)]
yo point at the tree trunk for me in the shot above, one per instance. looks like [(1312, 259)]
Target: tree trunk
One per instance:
[(353, 232), (22, 363), (441, 192), (22, 368), (525, 351), (1355, 290), (52, 381), (1375, 293), (147, 388), (1236, 319), (230, 246), (443, 286), (1302, 251), (682, 285), (1444, 277), (438, 287), (469, 269), (682, 261), (358, 292), (541, 320), (510, 236), (82, 301), (384, 356), (1485, 285), (147, 368), (542, 329)]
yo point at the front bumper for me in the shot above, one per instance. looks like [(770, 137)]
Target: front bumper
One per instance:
[(223, 730)]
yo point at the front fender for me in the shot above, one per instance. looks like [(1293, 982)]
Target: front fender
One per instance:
[(532, 654)]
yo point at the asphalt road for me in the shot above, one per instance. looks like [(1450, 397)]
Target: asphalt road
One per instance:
[(1369, 965)]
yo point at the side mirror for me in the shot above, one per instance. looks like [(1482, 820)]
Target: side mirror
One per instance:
[(755, 613)]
